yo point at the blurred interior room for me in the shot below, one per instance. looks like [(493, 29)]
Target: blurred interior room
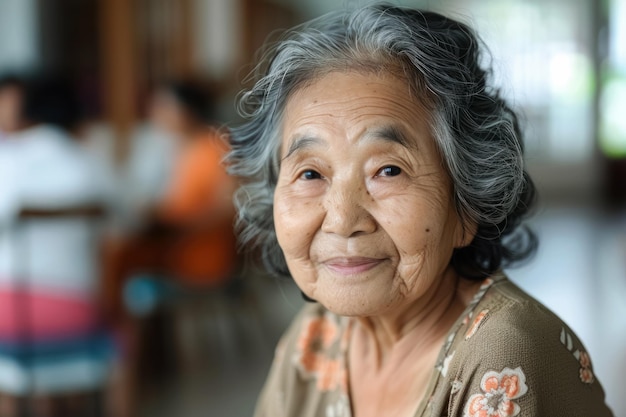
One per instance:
[(201, 343)]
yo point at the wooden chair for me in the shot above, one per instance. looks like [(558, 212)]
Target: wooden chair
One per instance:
[(198, 323), (59, 372)]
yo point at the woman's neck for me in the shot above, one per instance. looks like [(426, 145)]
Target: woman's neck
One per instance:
[(419, 325)]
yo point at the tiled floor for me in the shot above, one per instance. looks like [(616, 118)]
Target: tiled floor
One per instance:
[(231, 359), (579, 272)]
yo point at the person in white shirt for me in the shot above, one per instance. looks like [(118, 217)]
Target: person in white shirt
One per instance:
[(49, 273)]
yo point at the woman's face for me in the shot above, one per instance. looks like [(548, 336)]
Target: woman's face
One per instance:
[(363, 207), (167, 113), (11, 98)]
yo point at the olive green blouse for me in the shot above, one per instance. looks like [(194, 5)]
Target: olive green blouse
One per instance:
[(507, 355)]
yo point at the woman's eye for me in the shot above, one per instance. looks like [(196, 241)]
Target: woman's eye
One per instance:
[(389, 171), (310, 174)]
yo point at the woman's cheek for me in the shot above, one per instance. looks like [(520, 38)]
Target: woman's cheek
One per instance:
[(284, 218), (295, 222)]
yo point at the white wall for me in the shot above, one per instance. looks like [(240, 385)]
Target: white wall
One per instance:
[(217, 35)]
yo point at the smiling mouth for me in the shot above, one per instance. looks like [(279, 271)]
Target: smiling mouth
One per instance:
[(352, 265)]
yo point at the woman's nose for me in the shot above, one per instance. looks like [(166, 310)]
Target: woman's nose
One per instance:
[(346, 210)]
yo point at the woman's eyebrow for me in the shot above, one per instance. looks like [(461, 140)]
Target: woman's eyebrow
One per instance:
[(302, 142), (391, 133)]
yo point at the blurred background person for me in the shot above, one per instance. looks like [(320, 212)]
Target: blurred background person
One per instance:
[(50, 298), (187, 234), (197, 203), (11, 103), (147, 169), (185, 239)]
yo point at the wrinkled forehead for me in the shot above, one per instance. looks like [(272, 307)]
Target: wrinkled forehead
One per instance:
[(370, 90), (380, 64), (295, 80)]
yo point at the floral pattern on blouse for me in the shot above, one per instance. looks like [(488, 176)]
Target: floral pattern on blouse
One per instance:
[(445, 358), (585, 373), (480, 317), (499, 391), (315, 340), (310, 374)]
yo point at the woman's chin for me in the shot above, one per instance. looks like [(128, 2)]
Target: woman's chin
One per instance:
[(354, 302), (365, 293)]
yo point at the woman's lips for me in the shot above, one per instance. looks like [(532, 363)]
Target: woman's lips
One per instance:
[(352, 265)]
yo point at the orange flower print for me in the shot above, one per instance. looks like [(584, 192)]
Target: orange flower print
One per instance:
[(584, 359), (586, 375), (314, 357), (585, 372), (499, 391), (310, 361), (331, 374), (318, 333), (476, 323)]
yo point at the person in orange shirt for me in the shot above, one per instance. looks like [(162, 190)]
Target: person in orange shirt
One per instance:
[(187, 238), (187, 235), (196, 209)]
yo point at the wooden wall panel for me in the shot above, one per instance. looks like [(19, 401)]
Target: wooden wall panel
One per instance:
[(118, 68)]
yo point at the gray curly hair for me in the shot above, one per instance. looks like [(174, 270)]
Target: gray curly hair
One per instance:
[(477, 133)]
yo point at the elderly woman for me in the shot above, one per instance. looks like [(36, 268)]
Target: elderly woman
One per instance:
[(385, 175)]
